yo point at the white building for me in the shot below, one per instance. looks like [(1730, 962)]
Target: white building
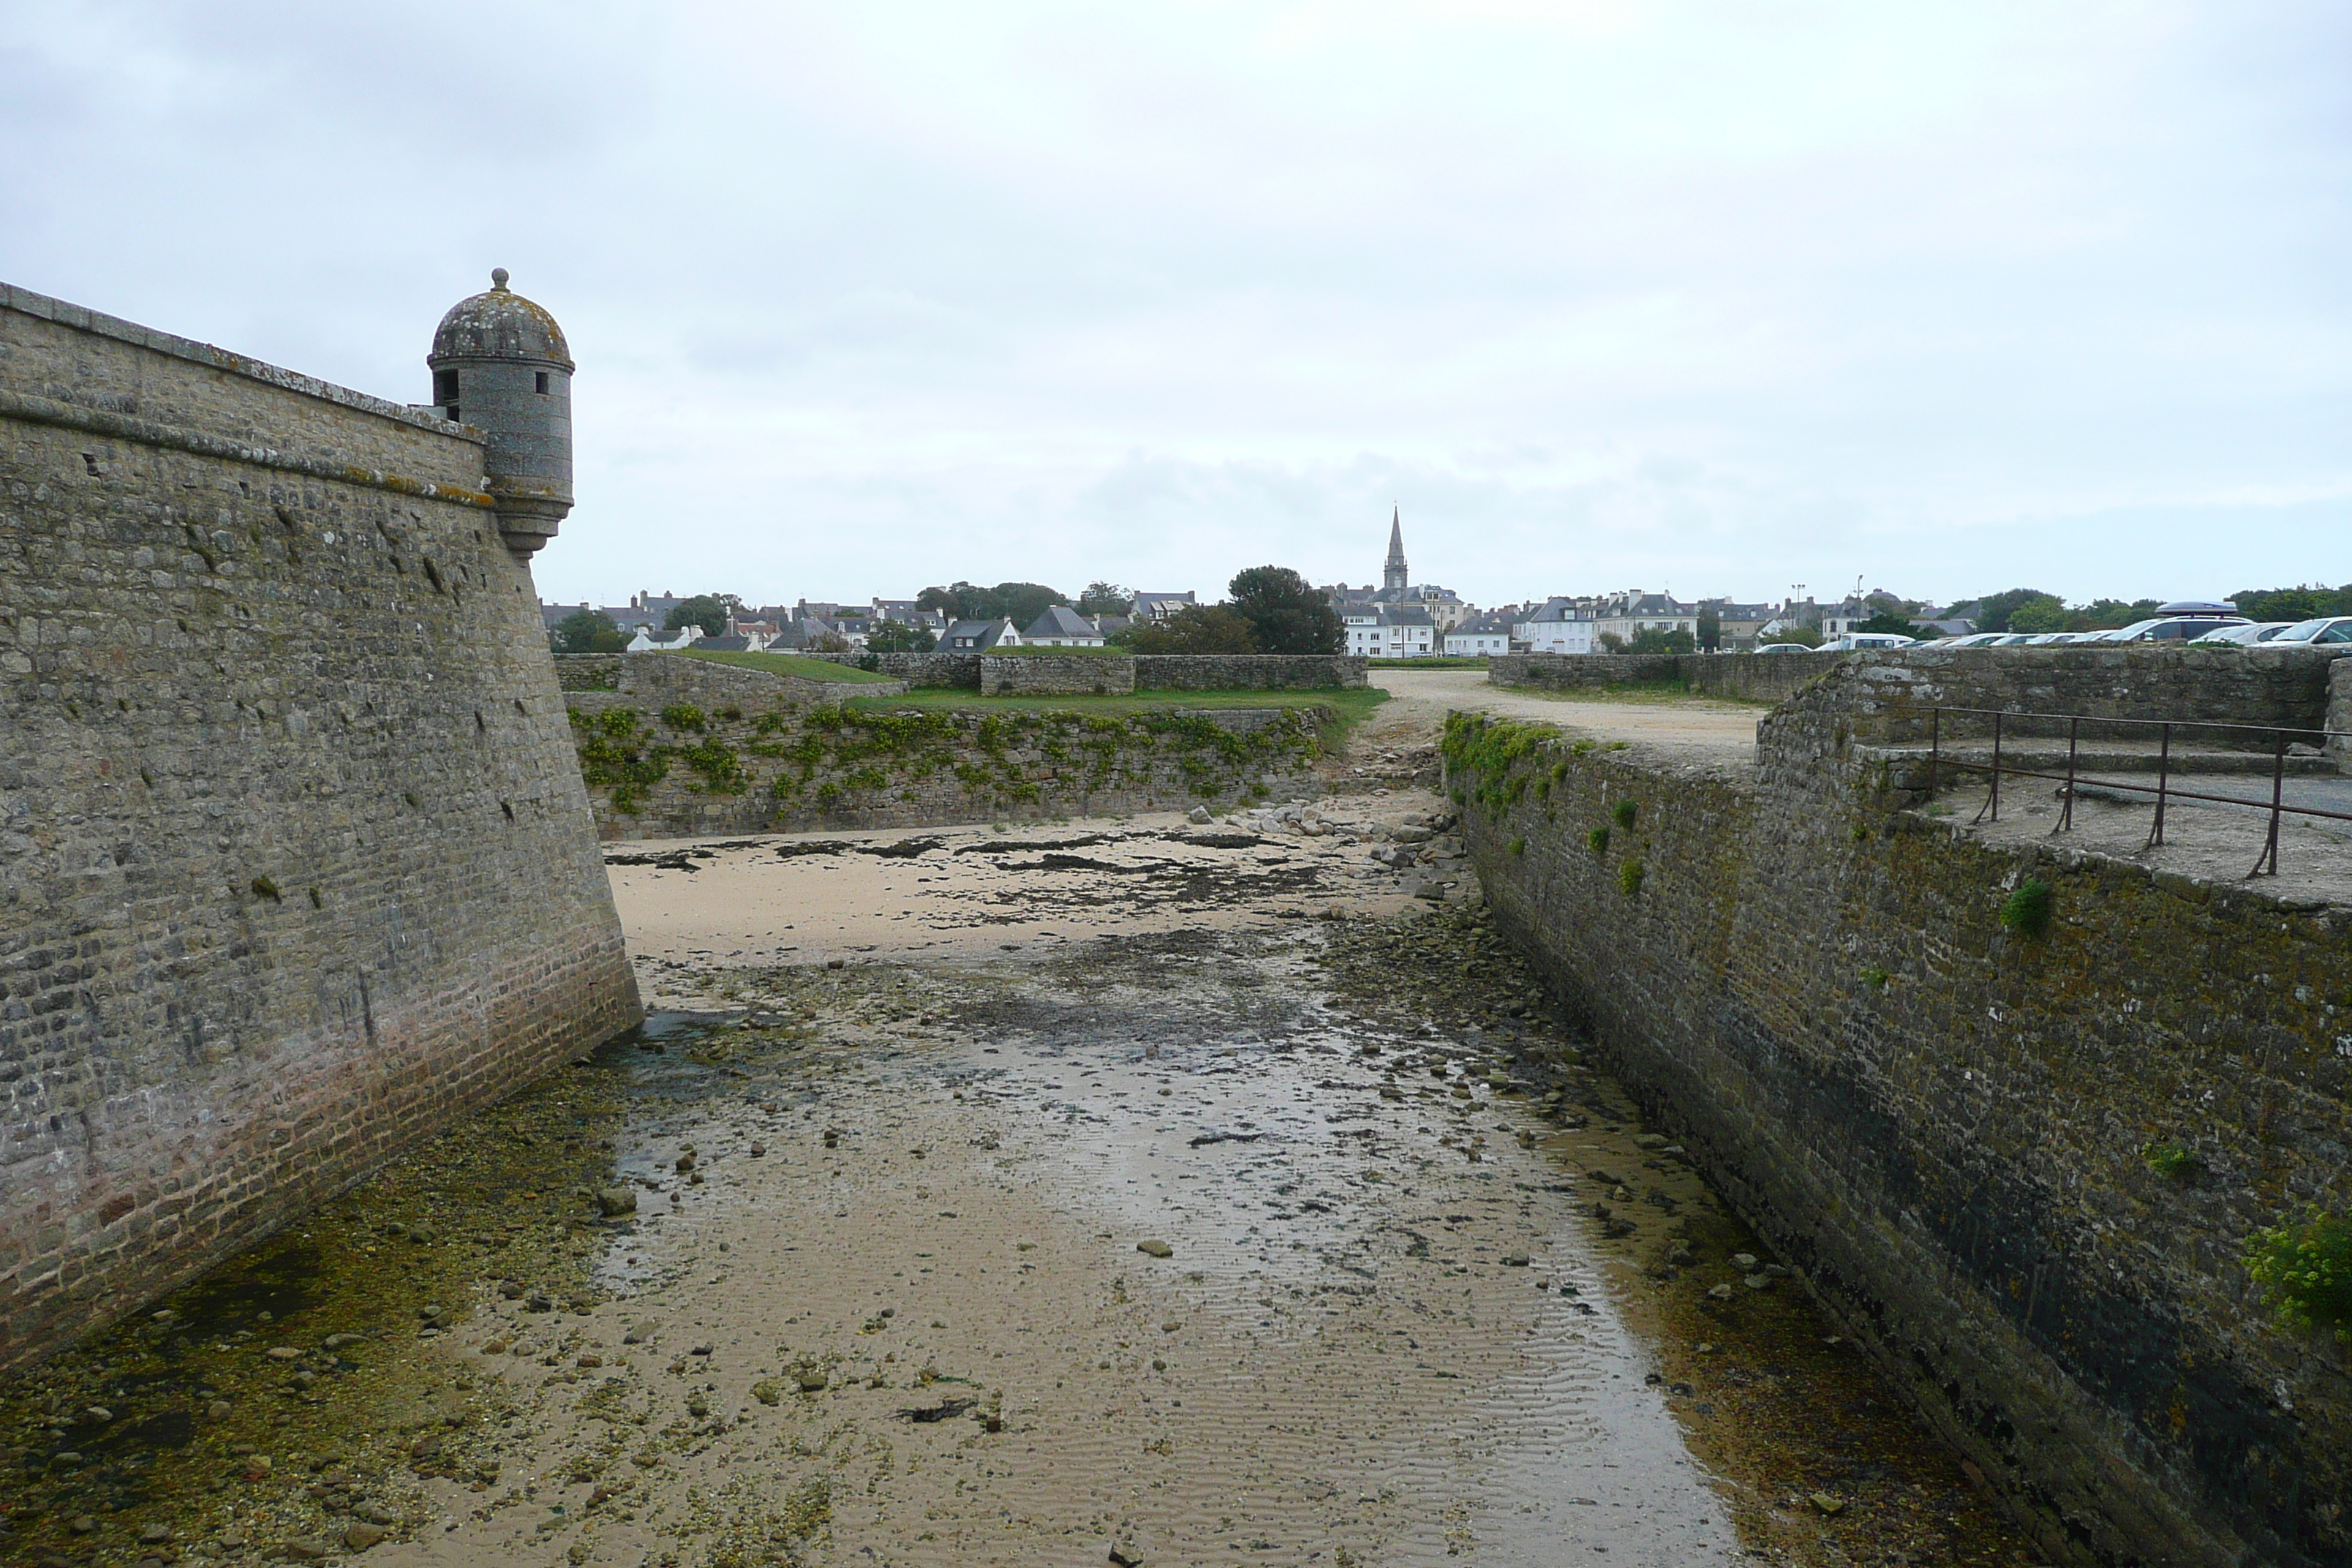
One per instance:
[(1159, 606), (1390, 631), (1482, 636), (647, 641), (1626, 615), (1562, 625), (1062, 627)]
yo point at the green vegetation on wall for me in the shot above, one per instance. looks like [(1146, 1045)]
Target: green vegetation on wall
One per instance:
[(2304, 1267)]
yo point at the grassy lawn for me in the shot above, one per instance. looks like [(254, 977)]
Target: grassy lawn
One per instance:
[(788, 664), (1349, 706)]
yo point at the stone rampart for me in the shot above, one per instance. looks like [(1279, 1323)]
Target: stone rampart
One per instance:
[(2021, 1168), (1743, 676), (662, 679), (1055, 675), (296, 863), (784, 767), (932, 671), (1887, 699), (1249, 672), (1146, 672)]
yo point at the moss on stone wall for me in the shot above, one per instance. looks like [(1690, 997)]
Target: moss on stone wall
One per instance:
[(793, 766)]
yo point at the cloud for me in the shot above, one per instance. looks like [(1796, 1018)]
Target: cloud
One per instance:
[(1605, 294)]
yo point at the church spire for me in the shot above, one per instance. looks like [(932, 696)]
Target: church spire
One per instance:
[(1394, 578)]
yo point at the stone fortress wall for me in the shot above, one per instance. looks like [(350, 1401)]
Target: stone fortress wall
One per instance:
[(674, 747), (1113, 674), (2021, 1168), (296, 862)]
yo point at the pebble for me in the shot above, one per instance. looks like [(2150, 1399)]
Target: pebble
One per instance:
[(360, 1537), (1155, 1249), (284, 1352), (614, 1202), (1744, 1261), (1722, 1292), (1831, 1506)]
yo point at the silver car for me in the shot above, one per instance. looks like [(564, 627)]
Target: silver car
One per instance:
[(2323, 629), (2249, 635)]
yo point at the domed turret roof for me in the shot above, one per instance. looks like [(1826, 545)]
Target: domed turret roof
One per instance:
[(499, 324)]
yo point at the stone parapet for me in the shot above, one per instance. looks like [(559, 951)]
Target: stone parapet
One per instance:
[(1951, 1126)]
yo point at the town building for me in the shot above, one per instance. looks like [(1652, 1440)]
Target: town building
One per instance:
[(979, 637), (1159, 606), (1062, 627), (1559, 624), (1481, 637)]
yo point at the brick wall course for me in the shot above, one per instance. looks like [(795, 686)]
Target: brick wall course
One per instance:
[(1942, 1124), (295, 861)]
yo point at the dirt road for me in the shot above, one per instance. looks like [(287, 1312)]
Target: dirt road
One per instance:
[(1689, 728)]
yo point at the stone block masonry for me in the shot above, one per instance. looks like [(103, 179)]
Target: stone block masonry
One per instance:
[(296, 862), (779, 765), (2021, 1168), (1746, 677), (1142, 672), (1056, 675)]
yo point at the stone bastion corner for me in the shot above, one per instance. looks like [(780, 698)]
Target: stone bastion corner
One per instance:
[(296, 864)]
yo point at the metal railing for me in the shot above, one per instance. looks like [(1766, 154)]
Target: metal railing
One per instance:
[(2165, 791)]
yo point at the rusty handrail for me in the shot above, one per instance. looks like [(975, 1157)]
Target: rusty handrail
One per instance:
[(2164, 790)]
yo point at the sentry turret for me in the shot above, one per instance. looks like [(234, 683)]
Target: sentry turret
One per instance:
[(500, 364)]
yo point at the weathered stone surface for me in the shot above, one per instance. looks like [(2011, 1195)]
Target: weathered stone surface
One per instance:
[(1942, 1125), (296, 863), (765, 762)]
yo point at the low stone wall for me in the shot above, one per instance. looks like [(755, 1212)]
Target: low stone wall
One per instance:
[(1952, 1129), (662, 679), (1055, 675), (2339, 712), (786, 767), (1249, 672), (1146, 672), (1746, 677), (940, 671), (1887, 699)]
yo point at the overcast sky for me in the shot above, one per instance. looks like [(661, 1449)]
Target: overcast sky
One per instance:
[(1718, 298)]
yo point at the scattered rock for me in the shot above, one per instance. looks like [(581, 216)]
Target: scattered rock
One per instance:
[(1515, 1260), (360, 1537), (812, 1382), (1721, 1292), (219, 1410), (303, 1548), (1155, 1249), (283, 1353), (85, 1525), (1825, 1502), (768, 1391), (1758, 1281), (614, 1202), (1744, 1261), (1198, 817)]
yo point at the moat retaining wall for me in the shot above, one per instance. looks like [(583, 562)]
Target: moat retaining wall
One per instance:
[(754, 766), (1946, 1125), (1747, 676), (296, 863), (1082, 673)]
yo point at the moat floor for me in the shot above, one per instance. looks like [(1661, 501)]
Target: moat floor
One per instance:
[(1145, 1192)]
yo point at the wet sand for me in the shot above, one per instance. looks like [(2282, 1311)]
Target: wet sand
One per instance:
[(1145, 1192)]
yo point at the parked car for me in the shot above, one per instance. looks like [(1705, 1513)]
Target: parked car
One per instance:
[(1853, 640), (2247, 635), (2171, 628), (1783, 648), (1972, 639), (2326, 629)]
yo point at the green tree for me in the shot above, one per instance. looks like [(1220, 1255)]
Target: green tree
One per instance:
[(1994, 609), (1711, 627), (708, 611), (1107, 599), (1286, 614), (959, 602), (588, 631), (2306, 602), (1801, 635), (2043, 613), (1895, 624), (1195, 628), (890, 637), (1655, 641), (1023, 602), (2105, 615), (1610, 642)]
